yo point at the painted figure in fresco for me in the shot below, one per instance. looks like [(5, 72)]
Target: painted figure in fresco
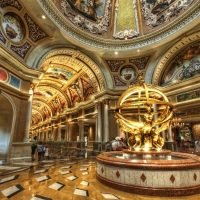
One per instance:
[(11, 32), (89, 7)]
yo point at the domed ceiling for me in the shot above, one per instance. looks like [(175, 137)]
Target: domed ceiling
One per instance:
[(93, 21)]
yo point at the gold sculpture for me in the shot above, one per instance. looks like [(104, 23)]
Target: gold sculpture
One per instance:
[(143, 111)]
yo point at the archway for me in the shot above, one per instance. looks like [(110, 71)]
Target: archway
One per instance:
[(6, 121)]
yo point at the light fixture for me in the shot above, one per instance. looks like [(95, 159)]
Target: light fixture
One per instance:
[(116, 52), (43, 17), (138, 50), (176, 123)]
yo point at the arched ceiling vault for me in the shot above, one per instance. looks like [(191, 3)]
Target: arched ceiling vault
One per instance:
[(70, 77)]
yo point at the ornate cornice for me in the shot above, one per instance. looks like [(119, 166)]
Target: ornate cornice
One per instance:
[(100, 43)]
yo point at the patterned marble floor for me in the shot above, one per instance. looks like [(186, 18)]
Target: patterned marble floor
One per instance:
[(61, 180)]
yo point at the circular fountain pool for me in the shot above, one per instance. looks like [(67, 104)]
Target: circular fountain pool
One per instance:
[(153, 173)]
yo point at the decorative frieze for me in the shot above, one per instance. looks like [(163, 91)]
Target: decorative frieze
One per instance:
[(35, 32), (13, 3), (2, 38), (118, 82), (140, 63), (21, 50), (114, 65), (188, 96)]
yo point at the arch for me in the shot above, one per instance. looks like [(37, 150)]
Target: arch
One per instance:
[(7, 124), (174, 50)]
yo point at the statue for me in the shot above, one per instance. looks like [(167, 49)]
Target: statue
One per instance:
[(144, 112)]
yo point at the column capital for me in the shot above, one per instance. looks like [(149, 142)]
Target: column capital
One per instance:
[(98, 103), (106, 101)]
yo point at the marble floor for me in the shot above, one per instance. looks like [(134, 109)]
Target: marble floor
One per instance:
[(61, 180)]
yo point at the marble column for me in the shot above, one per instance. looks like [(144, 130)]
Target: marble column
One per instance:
[(81, 130), (96, 129), (106, 121), (52, 130), (28, 117), (59, 130), (170, 139), (163, 136), (99, 123), (67, 131)]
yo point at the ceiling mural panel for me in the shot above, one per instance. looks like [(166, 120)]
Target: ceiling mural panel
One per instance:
[(127, 73), (91, 15), (163, 64), (74, 96), (183, 66), (43, 93), (158, 13), (92, 9), (58, 73), (13, 27)]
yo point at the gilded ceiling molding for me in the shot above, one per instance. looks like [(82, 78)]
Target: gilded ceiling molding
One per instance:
[(192, 14), (13, 3), (171, 53), (85, 63)]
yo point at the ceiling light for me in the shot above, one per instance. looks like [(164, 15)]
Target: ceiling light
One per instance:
[(138, 50), (43, 17), (116, 52)]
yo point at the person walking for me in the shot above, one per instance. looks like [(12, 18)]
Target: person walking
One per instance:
[(33, 147), (46, 154), (39, 149)]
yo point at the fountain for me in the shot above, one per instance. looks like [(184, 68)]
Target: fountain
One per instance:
[(145, 168)]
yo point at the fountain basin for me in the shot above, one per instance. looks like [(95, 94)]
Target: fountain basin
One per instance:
[(152, 173)]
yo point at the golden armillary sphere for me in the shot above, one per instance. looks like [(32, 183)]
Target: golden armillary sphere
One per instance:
[(143, 111)]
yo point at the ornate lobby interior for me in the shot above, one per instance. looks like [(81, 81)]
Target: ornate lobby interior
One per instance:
[(64, 65)]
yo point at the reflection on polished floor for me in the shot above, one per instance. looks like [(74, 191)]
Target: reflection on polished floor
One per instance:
[(61, 179)]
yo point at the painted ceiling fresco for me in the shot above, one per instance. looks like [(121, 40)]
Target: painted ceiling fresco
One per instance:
[(13, 27), (92, 9), (66, 81), (183, 66), (127, 20), (58, 73)]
